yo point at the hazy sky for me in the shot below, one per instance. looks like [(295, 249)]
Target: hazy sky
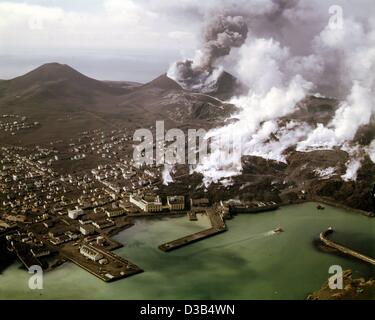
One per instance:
[(118, 39), (107, 39)]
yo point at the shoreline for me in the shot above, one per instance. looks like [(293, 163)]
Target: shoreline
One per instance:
[(114, 232), (331, 203), (291, 213), (354, 288)]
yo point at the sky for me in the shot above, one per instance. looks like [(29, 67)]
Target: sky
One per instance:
[(133, 40)]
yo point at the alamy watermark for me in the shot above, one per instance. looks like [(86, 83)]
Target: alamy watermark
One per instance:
[(336, 282), (336, 21), (175, 147), (36, 280)]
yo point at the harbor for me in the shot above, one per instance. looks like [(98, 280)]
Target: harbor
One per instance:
[(243, 263), (217, 226), (83, 236)]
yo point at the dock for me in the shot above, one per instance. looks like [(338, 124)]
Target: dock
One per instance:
[(27, 259), (217, 226), (116, 269), (343, 249)]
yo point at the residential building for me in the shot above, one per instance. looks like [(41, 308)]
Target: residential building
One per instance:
[(176, 203), (36, 252), (59, 240), (102, 224), (87, 230), (75, 213), (114, 213), (85, 220)]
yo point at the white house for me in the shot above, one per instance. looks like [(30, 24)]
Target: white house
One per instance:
[(75, 213)]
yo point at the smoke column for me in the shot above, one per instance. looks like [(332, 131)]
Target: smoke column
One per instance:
[(221, 34)]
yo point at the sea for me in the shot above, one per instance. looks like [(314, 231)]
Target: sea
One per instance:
[(249, 261)]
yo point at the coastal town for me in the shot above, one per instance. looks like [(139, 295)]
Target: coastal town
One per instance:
[(55, 207), (64, 201)]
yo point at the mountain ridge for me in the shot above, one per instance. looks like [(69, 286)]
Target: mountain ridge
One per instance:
[(56, 91), (55, 74)]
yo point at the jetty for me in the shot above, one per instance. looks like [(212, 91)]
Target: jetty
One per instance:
[(217, 226), (115, 268), (343, 249)]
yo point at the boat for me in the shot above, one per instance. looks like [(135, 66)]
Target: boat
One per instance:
[(278, 230)]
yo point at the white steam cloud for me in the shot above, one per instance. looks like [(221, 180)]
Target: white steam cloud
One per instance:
[(352, 168), (167, 174), (371, 151), (356, 74), (295, 49), (325, 173), (274, 93)]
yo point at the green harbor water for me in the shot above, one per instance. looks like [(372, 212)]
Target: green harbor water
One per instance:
[(247, 262)]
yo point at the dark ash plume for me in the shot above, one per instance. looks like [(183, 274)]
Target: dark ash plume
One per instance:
[(221, 35)]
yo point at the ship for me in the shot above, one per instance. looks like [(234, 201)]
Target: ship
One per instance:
[(236, 207)]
